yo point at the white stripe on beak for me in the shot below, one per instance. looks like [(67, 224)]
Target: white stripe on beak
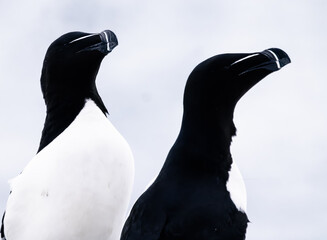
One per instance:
[(107, 40), (275, 56)]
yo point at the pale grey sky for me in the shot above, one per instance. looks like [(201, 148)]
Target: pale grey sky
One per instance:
[(280, 147)]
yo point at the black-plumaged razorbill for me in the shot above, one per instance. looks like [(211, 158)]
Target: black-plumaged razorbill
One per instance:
[(199, 193), (78, 185)]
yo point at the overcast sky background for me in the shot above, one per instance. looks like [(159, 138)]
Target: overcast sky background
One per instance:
[(281, 142)]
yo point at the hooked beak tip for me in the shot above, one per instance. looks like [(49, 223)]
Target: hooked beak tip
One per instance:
[(110, 39), (279, 56)]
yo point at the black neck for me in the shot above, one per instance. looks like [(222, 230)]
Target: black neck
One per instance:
[(61, 112), (205, 141)]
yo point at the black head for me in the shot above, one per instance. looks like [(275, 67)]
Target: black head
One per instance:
[(211, 93), (71, 65), (68, 78), (215, 85)]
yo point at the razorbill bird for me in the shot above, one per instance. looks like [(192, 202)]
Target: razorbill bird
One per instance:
[(78, 185), (199, 192)]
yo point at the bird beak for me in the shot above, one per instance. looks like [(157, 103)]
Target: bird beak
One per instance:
[(270, 60), (249, 69), (109, 39), (104, 42)]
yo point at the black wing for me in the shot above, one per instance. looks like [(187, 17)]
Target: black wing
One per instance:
[(145, 222)]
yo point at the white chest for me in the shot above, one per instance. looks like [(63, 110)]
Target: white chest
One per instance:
[(236, 188), (78, 187)]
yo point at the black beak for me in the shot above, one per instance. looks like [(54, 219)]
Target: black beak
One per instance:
[(252, 68), (109, 39), (270, 60), (104, 42)]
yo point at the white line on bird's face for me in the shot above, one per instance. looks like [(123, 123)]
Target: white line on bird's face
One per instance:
[(87, 36), (242, 59)]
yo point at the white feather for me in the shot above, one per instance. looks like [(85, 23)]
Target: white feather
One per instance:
[(236, 188), (78, 187)]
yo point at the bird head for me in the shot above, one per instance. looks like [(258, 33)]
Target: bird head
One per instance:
[(72, 63), (215, 85)]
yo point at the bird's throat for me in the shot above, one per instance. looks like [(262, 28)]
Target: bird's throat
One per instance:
[(58, 118)]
